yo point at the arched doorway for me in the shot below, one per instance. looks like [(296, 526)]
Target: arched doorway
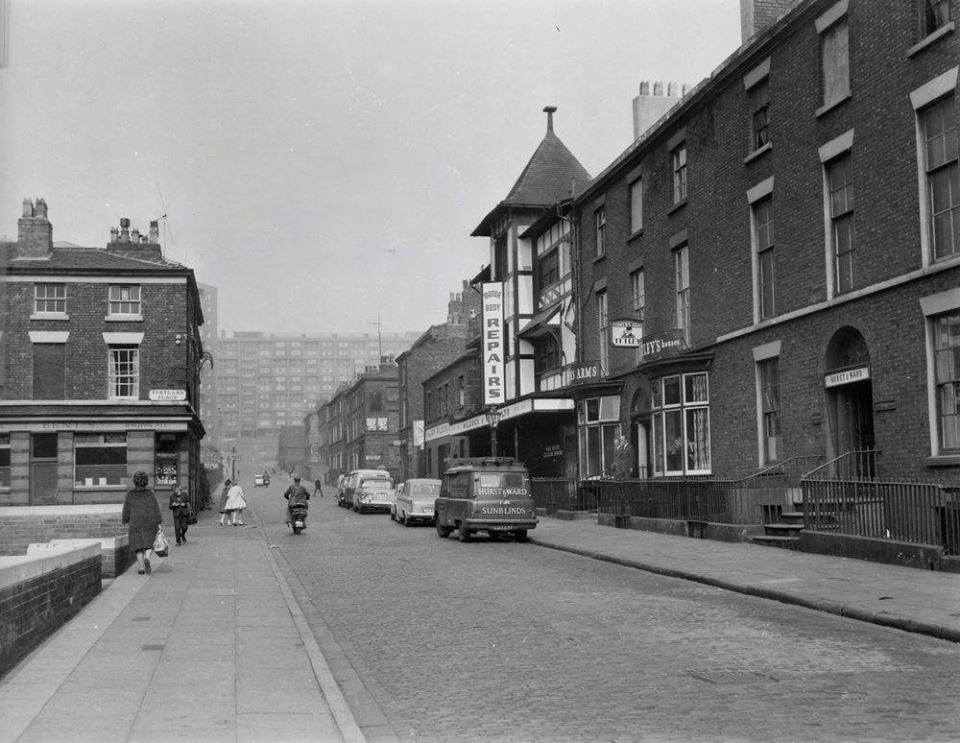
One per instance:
[(849, 401)]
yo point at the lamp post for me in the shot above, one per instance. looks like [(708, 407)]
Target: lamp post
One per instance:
[(493, 419), (233, 463)]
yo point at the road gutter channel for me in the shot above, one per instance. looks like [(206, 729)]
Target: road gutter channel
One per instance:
[(851, 612), (349, 729)]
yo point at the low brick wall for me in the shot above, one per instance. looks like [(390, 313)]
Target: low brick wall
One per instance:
[(39, 594), (927, 556), (20, 526), (682, 528), (115, 556)]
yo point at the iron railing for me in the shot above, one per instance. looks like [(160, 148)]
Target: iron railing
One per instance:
[(844, 496)]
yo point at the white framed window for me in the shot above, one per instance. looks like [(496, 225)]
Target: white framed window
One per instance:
[(124, 372), (678, 164), (598, 427), (834, 55), (768, 380), (759, 96), (946, 373), (100, 459), (600, 229), (680, 417), (50, 298), (603, 326), (763, 242), (941, 163), (840, 197), (636, 205), (124, 299), (681, 271), (638, 292)]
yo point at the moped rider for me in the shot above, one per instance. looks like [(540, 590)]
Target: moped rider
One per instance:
[(295, 495)]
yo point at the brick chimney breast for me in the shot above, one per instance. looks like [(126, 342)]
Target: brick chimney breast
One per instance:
[(34, 231), (758, 15)]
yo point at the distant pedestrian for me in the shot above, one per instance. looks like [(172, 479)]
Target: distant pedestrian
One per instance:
[(180, 505), (623, 458), (318, 487), (142, 512), (224, 515), (235, 504)]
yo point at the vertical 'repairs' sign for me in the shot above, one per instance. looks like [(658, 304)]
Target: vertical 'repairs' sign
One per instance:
[(492, 351)]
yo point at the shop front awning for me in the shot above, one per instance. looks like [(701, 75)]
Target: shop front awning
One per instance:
[(507, 412), (543, 323)]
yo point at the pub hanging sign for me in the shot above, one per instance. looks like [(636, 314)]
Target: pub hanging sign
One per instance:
[(492, 351)]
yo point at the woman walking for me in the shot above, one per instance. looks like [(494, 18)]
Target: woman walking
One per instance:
[(142, 512), (224, 514), (235, 504)]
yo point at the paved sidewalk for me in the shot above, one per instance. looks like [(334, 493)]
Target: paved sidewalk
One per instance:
[(210, 647), (911, 599)]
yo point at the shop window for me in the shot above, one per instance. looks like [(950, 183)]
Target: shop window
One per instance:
[(598, 428), (947, 370), (167, 465), (680, 414), (4, 461), (100, 459)]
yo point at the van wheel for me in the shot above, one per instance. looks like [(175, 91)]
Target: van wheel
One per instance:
[(466, 534), (403, 519), (521, 535), (443, 531)]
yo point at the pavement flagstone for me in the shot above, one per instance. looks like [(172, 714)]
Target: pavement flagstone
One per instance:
[(209, 647)]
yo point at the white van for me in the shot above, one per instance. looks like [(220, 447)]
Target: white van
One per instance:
[(369, 490)]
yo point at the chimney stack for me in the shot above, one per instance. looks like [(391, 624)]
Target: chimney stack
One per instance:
[(154, 231), (649, 107), (132, 243), (758, 15), (549, 110), (34, 231)]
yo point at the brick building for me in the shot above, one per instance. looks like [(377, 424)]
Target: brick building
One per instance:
[(432, 351), (101, 354), (772, 271), (453, 407), (359, 424)]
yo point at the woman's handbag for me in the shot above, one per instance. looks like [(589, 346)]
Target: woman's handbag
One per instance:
[(191, 516), (160, 544)]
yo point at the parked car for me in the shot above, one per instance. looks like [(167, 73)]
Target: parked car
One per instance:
[(415, 501), (368, 490), (261, 480), (490, 494)]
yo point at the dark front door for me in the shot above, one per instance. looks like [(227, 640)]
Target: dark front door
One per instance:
[(43, 469), (853, 427)]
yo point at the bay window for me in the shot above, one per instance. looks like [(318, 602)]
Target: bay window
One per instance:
[(598, 427), (680, 407)]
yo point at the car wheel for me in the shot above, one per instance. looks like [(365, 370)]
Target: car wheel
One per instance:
[(466, 534), (521, 535), (404, 519), (356, 509), (443, 531)]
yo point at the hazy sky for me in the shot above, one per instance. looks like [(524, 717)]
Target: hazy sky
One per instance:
[(321, 162)]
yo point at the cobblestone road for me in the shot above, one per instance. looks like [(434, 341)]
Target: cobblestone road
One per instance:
[(505, 641)]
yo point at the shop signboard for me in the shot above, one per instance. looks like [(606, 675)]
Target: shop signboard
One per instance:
[(847, 376), (663, 345), (582, 372), (492, 350), (626, 333)]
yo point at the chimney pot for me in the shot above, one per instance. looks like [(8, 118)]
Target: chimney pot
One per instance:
[(124, 230), (135, 235), (645, 87), (27, 208), (40, 209), (154, 231), (114, 234), (549, 110), (658, 88)]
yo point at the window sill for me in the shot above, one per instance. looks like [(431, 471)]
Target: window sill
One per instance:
[(124, 318), (760, 151), (826, 107), (599, 258), (87, 488), (943, 460), (676, 207), (49, 316), (635, 234), (931, 39)]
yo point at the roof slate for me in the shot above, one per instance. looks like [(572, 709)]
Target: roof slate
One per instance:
[(548, 176), (84, 259)]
